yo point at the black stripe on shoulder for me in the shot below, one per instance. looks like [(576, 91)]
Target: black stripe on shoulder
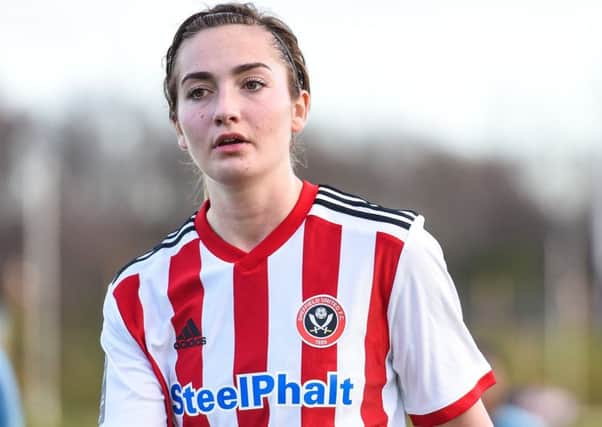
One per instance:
[(360, 214), (177, 231), (170, 241), (358, 201)]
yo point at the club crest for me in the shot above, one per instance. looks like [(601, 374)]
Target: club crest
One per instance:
[(321, 321)]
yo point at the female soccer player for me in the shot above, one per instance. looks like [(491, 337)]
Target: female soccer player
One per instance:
[(279, 303)]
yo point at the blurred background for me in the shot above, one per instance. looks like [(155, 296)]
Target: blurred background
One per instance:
[(482, 115)]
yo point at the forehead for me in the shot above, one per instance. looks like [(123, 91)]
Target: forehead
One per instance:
[(225, 46)]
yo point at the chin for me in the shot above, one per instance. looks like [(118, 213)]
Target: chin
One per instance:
[(239, 172), (232, 176)]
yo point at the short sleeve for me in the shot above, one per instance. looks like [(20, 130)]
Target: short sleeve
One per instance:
[(131, 394), (441, 371)]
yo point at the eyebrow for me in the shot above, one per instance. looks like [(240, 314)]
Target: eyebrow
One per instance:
[(239, 69)]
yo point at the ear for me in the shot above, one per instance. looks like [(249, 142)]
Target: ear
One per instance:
[(180, 135), (300, 110)]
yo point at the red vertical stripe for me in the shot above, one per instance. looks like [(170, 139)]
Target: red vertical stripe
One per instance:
[(387, 252), (251, 332), (321, 254), (130, 308), (185, 292)]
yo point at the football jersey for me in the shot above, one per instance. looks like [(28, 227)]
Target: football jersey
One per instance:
[(344, 315)]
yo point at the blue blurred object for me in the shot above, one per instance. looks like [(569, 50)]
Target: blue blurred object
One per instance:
[(515, 416), (10, 403)]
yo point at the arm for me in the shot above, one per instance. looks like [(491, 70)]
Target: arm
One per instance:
[(131, 392), (442, 372), (476, 416)]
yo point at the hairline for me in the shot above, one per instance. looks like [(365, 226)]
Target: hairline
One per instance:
[(284, 57)]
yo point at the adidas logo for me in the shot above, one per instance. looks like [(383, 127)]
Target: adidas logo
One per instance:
[(189, 337)]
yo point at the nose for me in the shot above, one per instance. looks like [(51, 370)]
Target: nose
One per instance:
[(227, 110)]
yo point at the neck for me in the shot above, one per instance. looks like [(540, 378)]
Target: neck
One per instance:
[(243, 215)]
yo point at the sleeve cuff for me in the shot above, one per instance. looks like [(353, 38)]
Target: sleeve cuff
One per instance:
[(456, 408)]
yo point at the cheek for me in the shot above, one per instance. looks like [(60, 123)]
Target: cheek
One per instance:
[(193, 122), (273, 118)]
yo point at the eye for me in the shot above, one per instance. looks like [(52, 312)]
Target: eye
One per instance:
[(198, 93), (253, 84)]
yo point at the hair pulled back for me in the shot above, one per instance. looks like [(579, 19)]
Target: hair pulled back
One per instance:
[(242, 14)]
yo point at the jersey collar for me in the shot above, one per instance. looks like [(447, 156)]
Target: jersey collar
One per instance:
[(267, 246)]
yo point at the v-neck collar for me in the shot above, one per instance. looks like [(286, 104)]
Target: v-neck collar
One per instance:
[(269, 244)]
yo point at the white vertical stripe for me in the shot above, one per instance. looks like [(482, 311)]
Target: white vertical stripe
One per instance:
[(392, 398), (218, 327), (354, 290), (285, 271), (158, 312)]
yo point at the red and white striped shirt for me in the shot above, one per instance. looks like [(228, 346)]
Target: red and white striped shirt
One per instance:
[(344, 315)]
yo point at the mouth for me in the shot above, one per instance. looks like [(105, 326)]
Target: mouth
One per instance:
[(229, 139)]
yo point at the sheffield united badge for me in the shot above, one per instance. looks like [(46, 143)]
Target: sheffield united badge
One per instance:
[(321, 321)]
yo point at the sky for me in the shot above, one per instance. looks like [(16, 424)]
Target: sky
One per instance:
[(513, 77)]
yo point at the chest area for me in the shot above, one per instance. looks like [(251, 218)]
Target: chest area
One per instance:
[(276, 316), (298, 331), (270, 311)]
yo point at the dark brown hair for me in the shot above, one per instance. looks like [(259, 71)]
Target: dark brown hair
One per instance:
[(244, 14)]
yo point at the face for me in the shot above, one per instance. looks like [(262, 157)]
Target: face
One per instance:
[(235, 114)]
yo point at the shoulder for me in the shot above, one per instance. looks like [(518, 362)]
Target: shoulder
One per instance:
[(354, 212), (183, 234)]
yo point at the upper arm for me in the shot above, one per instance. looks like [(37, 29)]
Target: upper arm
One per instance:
[(476, 416), (131, 391), (441, 372)]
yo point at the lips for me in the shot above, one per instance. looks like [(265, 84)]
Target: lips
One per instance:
[(229, 139)]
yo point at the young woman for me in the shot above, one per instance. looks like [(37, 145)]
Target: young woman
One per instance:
[(279, 303)]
